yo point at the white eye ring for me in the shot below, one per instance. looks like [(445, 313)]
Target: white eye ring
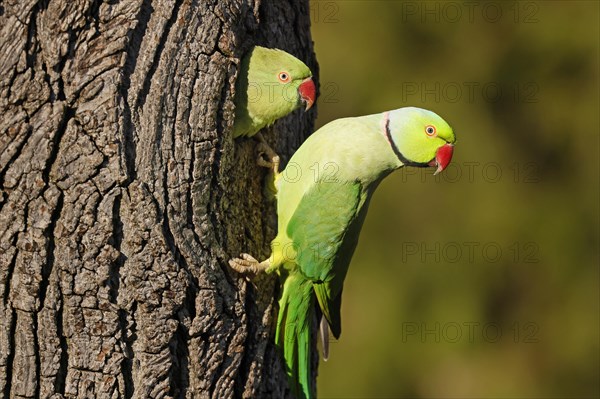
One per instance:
[(430, 130), (283, 77)]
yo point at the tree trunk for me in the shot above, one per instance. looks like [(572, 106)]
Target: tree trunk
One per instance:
[(123, 195)]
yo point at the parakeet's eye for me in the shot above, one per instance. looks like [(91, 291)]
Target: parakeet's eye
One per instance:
[(284, 77), (430, 130)]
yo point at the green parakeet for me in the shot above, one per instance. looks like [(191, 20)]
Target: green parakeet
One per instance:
[(323, 196), (271, 84)]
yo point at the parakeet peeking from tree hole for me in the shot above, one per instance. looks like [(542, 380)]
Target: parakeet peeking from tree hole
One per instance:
[(271, 83), (320, 216)]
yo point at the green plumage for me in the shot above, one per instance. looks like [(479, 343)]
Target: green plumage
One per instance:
[(323, 196), (324, 247), (261, 97), (322, 212), (293, 330)]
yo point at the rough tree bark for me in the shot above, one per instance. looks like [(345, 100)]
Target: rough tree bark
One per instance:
[(122, 195)]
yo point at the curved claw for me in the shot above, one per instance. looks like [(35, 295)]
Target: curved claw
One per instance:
[(272, 159), (271, 164), (247, 264)]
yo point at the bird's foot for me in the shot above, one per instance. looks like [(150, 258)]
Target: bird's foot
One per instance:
[(247, 264), (267, 158)]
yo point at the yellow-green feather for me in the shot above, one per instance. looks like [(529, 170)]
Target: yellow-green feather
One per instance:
[(260, 98), (323, 197)]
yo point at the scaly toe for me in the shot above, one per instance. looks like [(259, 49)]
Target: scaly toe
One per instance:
[(235, 265), (260, 161), (248, 258), (244, 264)]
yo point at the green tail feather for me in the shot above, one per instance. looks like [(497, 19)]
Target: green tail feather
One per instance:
[(293, 332)]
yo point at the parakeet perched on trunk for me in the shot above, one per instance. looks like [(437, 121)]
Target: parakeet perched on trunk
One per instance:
[(271, 83), (320, 215)]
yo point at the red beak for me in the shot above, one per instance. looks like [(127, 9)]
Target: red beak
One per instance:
[(443, 156), (308, 92)]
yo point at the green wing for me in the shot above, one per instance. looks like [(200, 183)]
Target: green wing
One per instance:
[(324, 230)]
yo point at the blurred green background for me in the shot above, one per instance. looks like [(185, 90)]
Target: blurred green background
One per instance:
[(482, 282)]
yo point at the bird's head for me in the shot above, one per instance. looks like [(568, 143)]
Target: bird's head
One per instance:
[(421, 137), (279, 82)]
